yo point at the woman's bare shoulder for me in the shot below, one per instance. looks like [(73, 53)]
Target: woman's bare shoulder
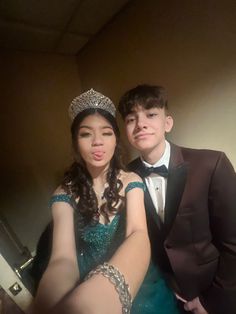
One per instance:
[(59, 190), (127, 177)]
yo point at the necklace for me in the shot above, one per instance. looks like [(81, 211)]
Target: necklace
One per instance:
[(100, 195)]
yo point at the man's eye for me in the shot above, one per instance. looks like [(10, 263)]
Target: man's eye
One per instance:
[(128, 120), (151, 115)]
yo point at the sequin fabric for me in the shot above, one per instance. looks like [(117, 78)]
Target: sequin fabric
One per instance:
[(60, 198), (98, 241), (133, 185), (96, 245)]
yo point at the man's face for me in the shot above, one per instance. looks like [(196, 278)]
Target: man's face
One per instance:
[(146, 128)]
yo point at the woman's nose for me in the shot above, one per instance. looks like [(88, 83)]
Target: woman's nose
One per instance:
[(97, 140)]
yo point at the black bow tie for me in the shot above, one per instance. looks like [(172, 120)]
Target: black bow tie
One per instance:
[(146, 171)]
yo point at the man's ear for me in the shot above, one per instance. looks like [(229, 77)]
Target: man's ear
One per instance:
[(169, 124)]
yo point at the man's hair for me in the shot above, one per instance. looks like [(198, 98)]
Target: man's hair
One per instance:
[(147, 96)]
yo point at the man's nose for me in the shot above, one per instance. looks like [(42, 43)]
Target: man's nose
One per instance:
[(140, 123)]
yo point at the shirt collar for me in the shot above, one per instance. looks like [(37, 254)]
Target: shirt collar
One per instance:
[(164, 160)]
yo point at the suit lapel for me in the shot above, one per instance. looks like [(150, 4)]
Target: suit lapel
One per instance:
[(175, 187)]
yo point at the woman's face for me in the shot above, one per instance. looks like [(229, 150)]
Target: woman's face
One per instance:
[(96, 141)]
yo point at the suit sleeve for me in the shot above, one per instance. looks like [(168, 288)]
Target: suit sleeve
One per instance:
[(221, 296)]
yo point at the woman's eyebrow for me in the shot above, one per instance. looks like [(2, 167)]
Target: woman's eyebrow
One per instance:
[(89, 127), (85, 126)]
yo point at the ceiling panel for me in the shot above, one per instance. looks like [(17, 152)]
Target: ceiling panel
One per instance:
[(21, 37), (59, 26), (70, 44), (52, 13), (92, 15)]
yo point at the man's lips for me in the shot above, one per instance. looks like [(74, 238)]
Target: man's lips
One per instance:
[(141, 136)]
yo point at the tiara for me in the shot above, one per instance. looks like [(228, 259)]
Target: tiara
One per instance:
[(91, 100)]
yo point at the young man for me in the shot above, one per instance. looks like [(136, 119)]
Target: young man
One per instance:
[(190, 204)]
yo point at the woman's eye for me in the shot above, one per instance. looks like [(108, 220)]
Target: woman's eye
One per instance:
[(107, 133), (84, 134)]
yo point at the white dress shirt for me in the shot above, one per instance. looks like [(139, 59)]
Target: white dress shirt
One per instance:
[(156, 184)]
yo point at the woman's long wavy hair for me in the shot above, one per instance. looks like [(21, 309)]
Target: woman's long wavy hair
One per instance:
[(78, 181)]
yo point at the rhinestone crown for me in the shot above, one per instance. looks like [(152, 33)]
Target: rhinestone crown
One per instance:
[(91, 99)]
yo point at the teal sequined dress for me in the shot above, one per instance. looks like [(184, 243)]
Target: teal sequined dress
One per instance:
[(97, 243)]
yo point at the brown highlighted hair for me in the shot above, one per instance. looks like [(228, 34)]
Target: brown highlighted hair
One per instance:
[(146, 96)]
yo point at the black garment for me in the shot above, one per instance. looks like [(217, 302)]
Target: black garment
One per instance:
[(43, 253), (146, 171)]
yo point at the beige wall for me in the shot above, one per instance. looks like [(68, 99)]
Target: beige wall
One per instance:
[(35, 136), (188, 46)]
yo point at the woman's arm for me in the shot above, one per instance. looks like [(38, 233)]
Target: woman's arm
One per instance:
[(133, 256), (62, 272), (97, 294)]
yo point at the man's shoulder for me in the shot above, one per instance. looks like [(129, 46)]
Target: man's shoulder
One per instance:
[(200, 152), (200, 155), (195, 151)]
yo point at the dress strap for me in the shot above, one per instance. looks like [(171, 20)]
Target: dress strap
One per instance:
[(135, 184), (60, 198)]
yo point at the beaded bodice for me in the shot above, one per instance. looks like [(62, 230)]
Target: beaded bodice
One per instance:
[(97, 242), (100, 235)]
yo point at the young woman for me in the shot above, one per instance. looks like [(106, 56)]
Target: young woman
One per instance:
[(100, 248)]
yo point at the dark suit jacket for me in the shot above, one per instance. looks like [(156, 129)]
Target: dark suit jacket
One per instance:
[(196, 244)]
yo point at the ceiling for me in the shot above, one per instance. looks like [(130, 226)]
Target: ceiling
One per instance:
[(54, 26)]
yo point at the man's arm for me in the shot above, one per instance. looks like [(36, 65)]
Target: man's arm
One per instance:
[(221, 296)]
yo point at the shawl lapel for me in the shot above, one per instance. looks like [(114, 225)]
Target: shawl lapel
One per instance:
[(175, 187)]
